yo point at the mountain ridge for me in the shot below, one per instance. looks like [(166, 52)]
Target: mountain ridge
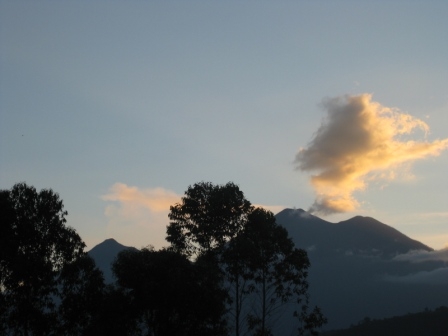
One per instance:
[(359, 234), (350, 264)]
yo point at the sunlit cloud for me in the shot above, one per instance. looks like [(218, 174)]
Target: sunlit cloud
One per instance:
[(138, 217), (275, 209), (360, 141)]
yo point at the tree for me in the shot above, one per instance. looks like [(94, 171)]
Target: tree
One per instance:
[(172, 295), (37, 250), (116, 314), (206, 221), (257, 257), (208, 217), (279, 270), (81, 289)]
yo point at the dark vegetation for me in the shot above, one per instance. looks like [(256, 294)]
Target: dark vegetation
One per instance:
[(434, 323), (230, 269)]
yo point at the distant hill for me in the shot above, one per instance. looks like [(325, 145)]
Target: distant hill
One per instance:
[(104, 255), (434, 323)]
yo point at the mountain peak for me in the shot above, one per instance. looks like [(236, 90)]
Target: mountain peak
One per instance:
[(358, 234), (104, 255)]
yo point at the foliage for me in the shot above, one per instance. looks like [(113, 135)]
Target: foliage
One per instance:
[(116, 315), (257, 257), (279, 272), (208, 216), (41, 265), (226, 259), (428, 322), (172, 295), (81, 287)]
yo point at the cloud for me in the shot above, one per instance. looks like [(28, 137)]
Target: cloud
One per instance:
[(138, 217), (154, 199), (275, 209), (434, 277), (360, 141), (417, 256)]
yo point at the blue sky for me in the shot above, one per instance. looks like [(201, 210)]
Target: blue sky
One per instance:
[(119, 106)]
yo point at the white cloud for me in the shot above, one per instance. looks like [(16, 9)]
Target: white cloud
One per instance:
[(422, 256)]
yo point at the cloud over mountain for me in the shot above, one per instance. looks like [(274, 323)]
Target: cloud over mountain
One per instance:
[(359, 141), (134, 211), (422, 256)]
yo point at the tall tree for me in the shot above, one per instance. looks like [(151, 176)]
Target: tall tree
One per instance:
[(208, 216), (256, 255), (279, 273), (207, 220), (234, 260), (36, 246)]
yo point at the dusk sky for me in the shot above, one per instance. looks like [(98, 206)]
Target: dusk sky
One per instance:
[(339, 107)]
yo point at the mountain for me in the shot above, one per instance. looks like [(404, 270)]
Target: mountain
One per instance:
[(358, 235), (353, 272), (104, 255)]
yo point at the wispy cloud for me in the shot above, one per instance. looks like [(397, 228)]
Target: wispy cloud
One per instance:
[(360, 141), (139, 217), (275, 209), (434, 277), (422, 256)]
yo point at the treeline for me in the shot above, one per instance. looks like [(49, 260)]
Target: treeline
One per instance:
[(229, 269), (428, 322)]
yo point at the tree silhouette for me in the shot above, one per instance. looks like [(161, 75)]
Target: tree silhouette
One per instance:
[(279, 272), (81, 286), (116, 314), (173, 296), (38, 257), (207, 217), (257, 257)]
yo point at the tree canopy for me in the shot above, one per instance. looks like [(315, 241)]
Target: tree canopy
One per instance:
[(254, 253), (41, 260), (171, 294), (208, 216), (230, 268)]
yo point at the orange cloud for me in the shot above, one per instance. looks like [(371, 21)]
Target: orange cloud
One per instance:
[(275, 209), (154, 199), (138, 217), (360, 141)]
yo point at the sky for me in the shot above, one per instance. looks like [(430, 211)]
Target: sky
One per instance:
[(337, 107)]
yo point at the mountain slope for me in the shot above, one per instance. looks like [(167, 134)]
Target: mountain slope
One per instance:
[(104, 255), (350, 263), (434, 323), (358, 235)]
